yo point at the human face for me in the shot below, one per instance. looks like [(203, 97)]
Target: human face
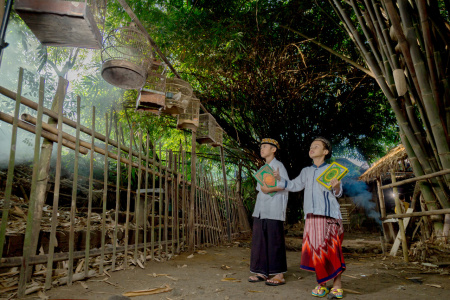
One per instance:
[(266, 150), (317, 150)]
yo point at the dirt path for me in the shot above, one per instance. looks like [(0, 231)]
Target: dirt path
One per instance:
[(203, 277)]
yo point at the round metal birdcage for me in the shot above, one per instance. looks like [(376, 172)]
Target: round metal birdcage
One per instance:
[(63, 23), (178, 95), (190, 118), (126, 55)]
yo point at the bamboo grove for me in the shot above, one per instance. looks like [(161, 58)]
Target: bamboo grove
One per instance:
[(405, 45)]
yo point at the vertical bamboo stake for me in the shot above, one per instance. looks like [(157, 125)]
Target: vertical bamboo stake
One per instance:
[(147, 152), (388, 235), (127, 220), (105, 194), (27, 244), (51, 248), (12, 158), (197, 213), (400, 221), (73, 205), (91, 184), (153, 203), (118, 130), (183, 198), (160, 203), (172, 200), (177, 200), (137, 201), (166, 202), (193, 190)]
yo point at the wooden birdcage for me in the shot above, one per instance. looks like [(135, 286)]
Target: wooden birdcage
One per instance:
[(190, 118), (63, 23), (218, 136), (206, 131), (126, 57), (152, 97), (178, 95)]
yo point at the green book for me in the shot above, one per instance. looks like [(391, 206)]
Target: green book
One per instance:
[(334, 170), (265, 175)]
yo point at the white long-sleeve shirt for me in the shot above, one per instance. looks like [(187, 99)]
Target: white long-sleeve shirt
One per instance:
[(268, 207), (317, 200)]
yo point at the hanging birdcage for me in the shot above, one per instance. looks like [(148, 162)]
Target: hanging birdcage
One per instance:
[(152, 97), (206, 131), (190, 118), (126, 56), (178, 95), (63, 23), (218, 136)]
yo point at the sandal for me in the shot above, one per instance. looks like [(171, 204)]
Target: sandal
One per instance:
[(259, 277), (336, 293), (276, 281), (322, 291)]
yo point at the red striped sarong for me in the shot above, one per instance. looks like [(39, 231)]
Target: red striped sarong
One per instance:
[(322, 247)]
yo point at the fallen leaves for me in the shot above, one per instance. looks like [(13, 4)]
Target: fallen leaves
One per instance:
[(153, 291)]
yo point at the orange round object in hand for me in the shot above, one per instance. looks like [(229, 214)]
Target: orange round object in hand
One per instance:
[(269, 179)]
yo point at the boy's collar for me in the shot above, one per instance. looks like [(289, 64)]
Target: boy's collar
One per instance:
[(317, 167)]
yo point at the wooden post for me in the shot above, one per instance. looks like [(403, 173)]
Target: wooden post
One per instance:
[(147, 151), (160, 203), (193, 188), (118, 130), (44, 167), (388, 229), (127, 219), (166, 201), (27, 245), (51, 248), (12, 159), (73, 205), (105, 193), (152, 227), (91, 185), (137, 202), (225, 188), (400, 221), (183, 198)]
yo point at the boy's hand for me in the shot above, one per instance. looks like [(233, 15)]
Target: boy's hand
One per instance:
[(336, 185), (276, 174), (264, 188)]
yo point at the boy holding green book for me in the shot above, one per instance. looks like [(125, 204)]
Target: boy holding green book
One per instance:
[(324, 232), (268, 253)]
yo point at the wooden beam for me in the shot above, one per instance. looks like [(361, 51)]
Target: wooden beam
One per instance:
[(421, 213), (424, 177)]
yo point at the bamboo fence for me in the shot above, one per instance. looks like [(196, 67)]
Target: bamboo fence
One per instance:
[(75, 244)]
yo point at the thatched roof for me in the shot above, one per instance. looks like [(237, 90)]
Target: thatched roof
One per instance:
[(385, 163)]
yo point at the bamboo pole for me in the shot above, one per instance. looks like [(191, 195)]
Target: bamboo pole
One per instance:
[(160, 203), (153, 208), (11, 164), (424, 177), (193, 190), (44, 166), (227, 204), (53, 242), (147, 149), (118, 130), (105, 194), (420, 214), (9, 262), (183, 197), (73, 205), (389, 234), (400, 221), (137, 200), (46, 135), (91, 185), (178, 188), (27, 243), (127, 219), (166, 203)]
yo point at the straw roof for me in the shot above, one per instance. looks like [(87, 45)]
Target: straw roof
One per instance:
[(385, 163)]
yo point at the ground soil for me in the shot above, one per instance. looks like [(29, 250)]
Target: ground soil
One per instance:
[(222, 273)]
